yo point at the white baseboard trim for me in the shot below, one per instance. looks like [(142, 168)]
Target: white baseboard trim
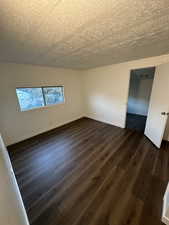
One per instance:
[(27, 136), (165, 214), (103, 121)]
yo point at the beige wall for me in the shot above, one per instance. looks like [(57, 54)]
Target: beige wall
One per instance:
[(15, 125), (100, 93), (106, 90), (12, 211)]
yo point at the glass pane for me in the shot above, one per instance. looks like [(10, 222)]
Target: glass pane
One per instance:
[(53, 95), (30, 98)]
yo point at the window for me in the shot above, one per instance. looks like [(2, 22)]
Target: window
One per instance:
[(53, 95), (30, 98)]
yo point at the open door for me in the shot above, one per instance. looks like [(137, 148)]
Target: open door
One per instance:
[(159, 106)]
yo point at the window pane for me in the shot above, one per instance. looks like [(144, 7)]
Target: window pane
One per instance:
[(53, 95), (30, 98)]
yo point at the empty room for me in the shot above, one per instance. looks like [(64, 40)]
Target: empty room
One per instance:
[(84, 112)]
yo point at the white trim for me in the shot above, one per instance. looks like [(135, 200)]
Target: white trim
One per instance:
[(165, 219)]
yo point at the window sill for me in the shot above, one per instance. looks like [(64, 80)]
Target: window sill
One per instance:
[(42, 107)]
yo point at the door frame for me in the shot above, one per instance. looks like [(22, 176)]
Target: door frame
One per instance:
[(127, 97), (129, 79)]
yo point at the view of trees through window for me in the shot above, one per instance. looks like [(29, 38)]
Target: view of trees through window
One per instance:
[(53, 95), (30, 98)]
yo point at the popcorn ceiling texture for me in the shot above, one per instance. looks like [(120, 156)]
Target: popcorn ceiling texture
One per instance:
[(81, 34)]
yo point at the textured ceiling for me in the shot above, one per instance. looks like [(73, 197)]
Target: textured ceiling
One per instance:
[(82, 34)]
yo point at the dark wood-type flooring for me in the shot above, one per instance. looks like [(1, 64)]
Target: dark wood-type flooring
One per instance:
[(91, 173), (136, 122)]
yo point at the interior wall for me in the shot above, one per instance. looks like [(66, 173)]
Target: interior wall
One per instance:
[(100, 93), (12, 211), (139, 95), (106, 90), (16, 125)]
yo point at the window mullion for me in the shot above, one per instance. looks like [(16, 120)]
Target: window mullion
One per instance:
[(44, 99)]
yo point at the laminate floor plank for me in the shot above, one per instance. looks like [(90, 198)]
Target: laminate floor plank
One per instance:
[(91, 173)]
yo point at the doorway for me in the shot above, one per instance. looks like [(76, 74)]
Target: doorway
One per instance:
[(141, 82)]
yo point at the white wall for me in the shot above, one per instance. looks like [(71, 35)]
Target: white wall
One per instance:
[(12, 211), (104, 97), (106, 90), (139, 95), (15, 125)]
